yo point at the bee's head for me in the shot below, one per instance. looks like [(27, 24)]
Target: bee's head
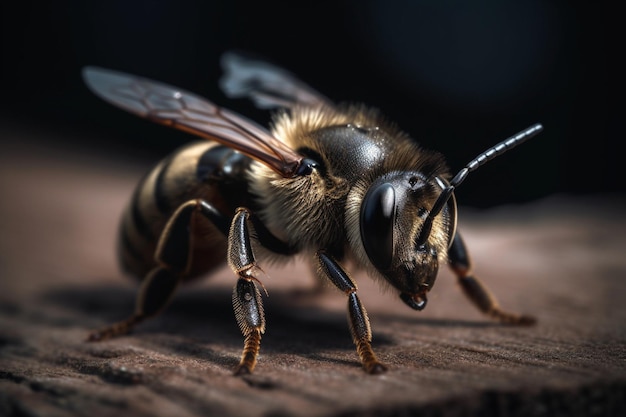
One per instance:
[(403, 237), (408, 221)]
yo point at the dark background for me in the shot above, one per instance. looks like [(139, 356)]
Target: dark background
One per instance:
[(457, 77)]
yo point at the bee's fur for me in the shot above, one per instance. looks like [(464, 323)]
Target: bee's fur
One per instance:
[(336, 183)]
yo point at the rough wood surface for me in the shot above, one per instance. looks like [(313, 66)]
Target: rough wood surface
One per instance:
[(561, 259)]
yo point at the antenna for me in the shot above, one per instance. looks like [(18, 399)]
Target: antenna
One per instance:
[(473, 165)]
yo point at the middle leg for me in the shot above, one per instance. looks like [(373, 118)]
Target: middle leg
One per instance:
[(247, 302)]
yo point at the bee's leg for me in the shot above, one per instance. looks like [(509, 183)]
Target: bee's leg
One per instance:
[(267, 239), (475, 290), (247, 302), (358, 320), (173, 258)]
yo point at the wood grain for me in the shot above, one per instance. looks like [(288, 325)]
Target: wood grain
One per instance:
[(561, 259)]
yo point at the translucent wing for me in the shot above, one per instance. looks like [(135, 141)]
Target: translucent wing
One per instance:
[(180, 109), (265, 84)]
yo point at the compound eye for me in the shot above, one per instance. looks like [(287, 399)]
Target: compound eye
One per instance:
[(377, 220)]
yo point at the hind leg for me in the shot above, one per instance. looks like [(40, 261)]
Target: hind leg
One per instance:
[(174, 258)]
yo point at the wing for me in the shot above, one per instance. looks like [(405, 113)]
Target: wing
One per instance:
[(180, 109), (265, 84)]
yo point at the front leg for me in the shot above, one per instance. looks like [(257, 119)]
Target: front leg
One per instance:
[(358, 320), (475, 290)]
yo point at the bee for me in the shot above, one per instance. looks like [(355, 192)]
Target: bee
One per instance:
[(332, 182)]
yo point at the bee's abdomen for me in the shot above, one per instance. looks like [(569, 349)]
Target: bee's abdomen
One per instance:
[(201, 170)]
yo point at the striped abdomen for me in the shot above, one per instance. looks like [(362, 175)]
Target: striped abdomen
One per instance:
[(202, 170)]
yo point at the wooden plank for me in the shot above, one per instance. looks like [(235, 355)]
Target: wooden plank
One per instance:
[(561, 259)]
